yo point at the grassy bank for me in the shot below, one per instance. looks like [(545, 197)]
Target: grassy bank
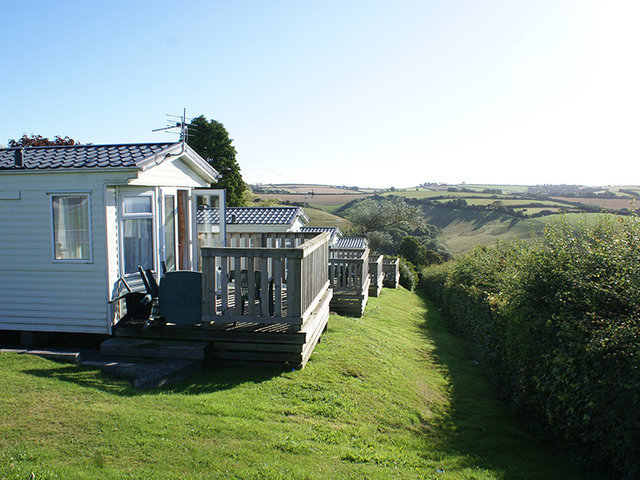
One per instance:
[(464, 229), (391, 395)]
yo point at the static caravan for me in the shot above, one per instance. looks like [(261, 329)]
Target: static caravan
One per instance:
[(75, 219)]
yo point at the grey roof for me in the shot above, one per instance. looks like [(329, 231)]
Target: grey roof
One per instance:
[(352, 243), (134, 155), (333, 230), (250, 215)]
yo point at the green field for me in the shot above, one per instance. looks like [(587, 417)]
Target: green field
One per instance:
[(393, 395), (464, 229), (322, 218), (511, 202)]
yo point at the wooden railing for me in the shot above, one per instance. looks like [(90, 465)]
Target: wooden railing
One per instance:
[(279, 281), (236, 239), (375, 274), (391, 269), (348, 270)]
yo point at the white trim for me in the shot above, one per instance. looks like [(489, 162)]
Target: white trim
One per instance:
[(220, 193), (128, 192), (165, 193), (71, 193)]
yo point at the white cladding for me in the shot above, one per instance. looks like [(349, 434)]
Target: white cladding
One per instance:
[(38, 294)]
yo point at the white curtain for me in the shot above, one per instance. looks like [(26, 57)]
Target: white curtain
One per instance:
[(138, 243), (71, 227)]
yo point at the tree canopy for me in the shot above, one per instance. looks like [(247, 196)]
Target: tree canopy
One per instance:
[(211, 140), (40, 141), (371, 215)]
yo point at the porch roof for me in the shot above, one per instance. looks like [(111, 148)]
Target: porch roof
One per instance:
[(351, 243), (251, 215)]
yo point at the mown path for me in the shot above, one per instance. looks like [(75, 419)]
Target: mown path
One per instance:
[(391, 395)]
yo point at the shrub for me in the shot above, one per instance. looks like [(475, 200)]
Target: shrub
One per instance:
[(408, 275), (558, 325)]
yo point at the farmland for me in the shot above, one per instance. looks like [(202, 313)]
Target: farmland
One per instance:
[(469, 215)]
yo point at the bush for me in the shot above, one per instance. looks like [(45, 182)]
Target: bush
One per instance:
[(558, 325), (408, 275)]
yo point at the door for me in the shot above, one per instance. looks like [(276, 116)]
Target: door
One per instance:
[(169, 232), (208, 222), (183, 230), (137, 227)]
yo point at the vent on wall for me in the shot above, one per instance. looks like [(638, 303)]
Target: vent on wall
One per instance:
[(9, 195)]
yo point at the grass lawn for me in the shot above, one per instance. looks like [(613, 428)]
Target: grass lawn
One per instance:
[(391, 395)]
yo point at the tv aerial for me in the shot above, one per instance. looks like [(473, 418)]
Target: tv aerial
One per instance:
[(178, 122)]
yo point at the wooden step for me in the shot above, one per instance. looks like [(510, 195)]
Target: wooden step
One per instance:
[(154, 348)]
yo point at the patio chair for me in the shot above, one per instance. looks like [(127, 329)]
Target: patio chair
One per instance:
[(180, 297), (136, 309)]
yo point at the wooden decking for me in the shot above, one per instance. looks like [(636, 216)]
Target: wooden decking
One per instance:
[(247, 342), (265, 301), (391, 270), (376, 275), (349, 279)]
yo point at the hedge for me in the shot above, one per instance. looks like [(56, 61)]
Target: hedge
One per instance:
[(557, 324)]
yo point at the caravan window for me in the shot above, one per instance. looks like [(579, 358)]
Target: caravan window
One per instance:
[(71, 227), (137, 232)]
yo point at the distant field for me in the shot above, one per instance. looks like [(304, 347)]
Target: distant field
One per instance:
[(512, 202), (339, 199), (321, 218), (421, 193), (463, 230), (309, 188), (611, 203), (504, 188), (535, 210)]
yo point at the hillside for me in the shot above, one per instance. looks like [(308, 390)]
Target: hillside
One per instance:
[(465, 229), (322, 218), (391, 395), (471, 215)]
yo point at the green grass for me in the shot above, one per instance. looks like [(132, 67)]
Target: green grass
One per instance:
[(515, 202), (321, 218), (464, 229), (391, 395)]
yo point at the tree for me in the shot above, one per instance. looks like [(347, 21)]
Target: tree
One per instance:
[(417, 253), (211, 141), (411, 249), (40, 141), (371, 215)]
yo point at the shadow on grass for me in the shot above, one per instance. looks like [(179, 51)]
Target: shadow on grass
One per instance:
[(443, 217), (480, 427), (206, 381)]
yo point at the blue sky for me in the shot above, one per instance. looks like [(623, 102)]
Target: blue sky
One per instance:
[(365, 93)]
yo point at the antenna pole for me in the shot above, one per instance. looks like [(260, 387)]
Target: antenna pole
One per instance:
[(183, 132)]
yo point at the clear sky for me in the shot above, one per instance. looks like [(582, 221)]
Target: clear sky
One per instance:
[(349, 92)]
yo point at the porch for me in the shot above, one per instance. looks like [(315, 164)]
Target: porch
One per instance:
[(349, 279), (376, 274), (391, 270), (265, 301)]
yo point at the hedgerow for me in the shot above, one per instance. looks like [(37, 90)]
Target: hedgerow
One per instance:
[(557, 324)]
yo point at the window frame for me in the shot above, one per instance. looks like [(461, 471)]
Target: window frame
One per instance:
[(122, 195), (70, 193)]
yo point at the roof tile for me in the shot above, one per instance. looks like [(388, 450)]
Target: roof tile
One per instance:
[(249, 215), (82, 156)]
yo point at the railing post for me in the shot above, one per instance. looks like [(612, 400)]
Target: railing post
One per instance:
[(294, 288)]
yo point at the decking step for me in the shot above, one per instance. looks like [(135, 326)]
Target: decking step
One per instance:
[(154, 348), (145, 373)]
